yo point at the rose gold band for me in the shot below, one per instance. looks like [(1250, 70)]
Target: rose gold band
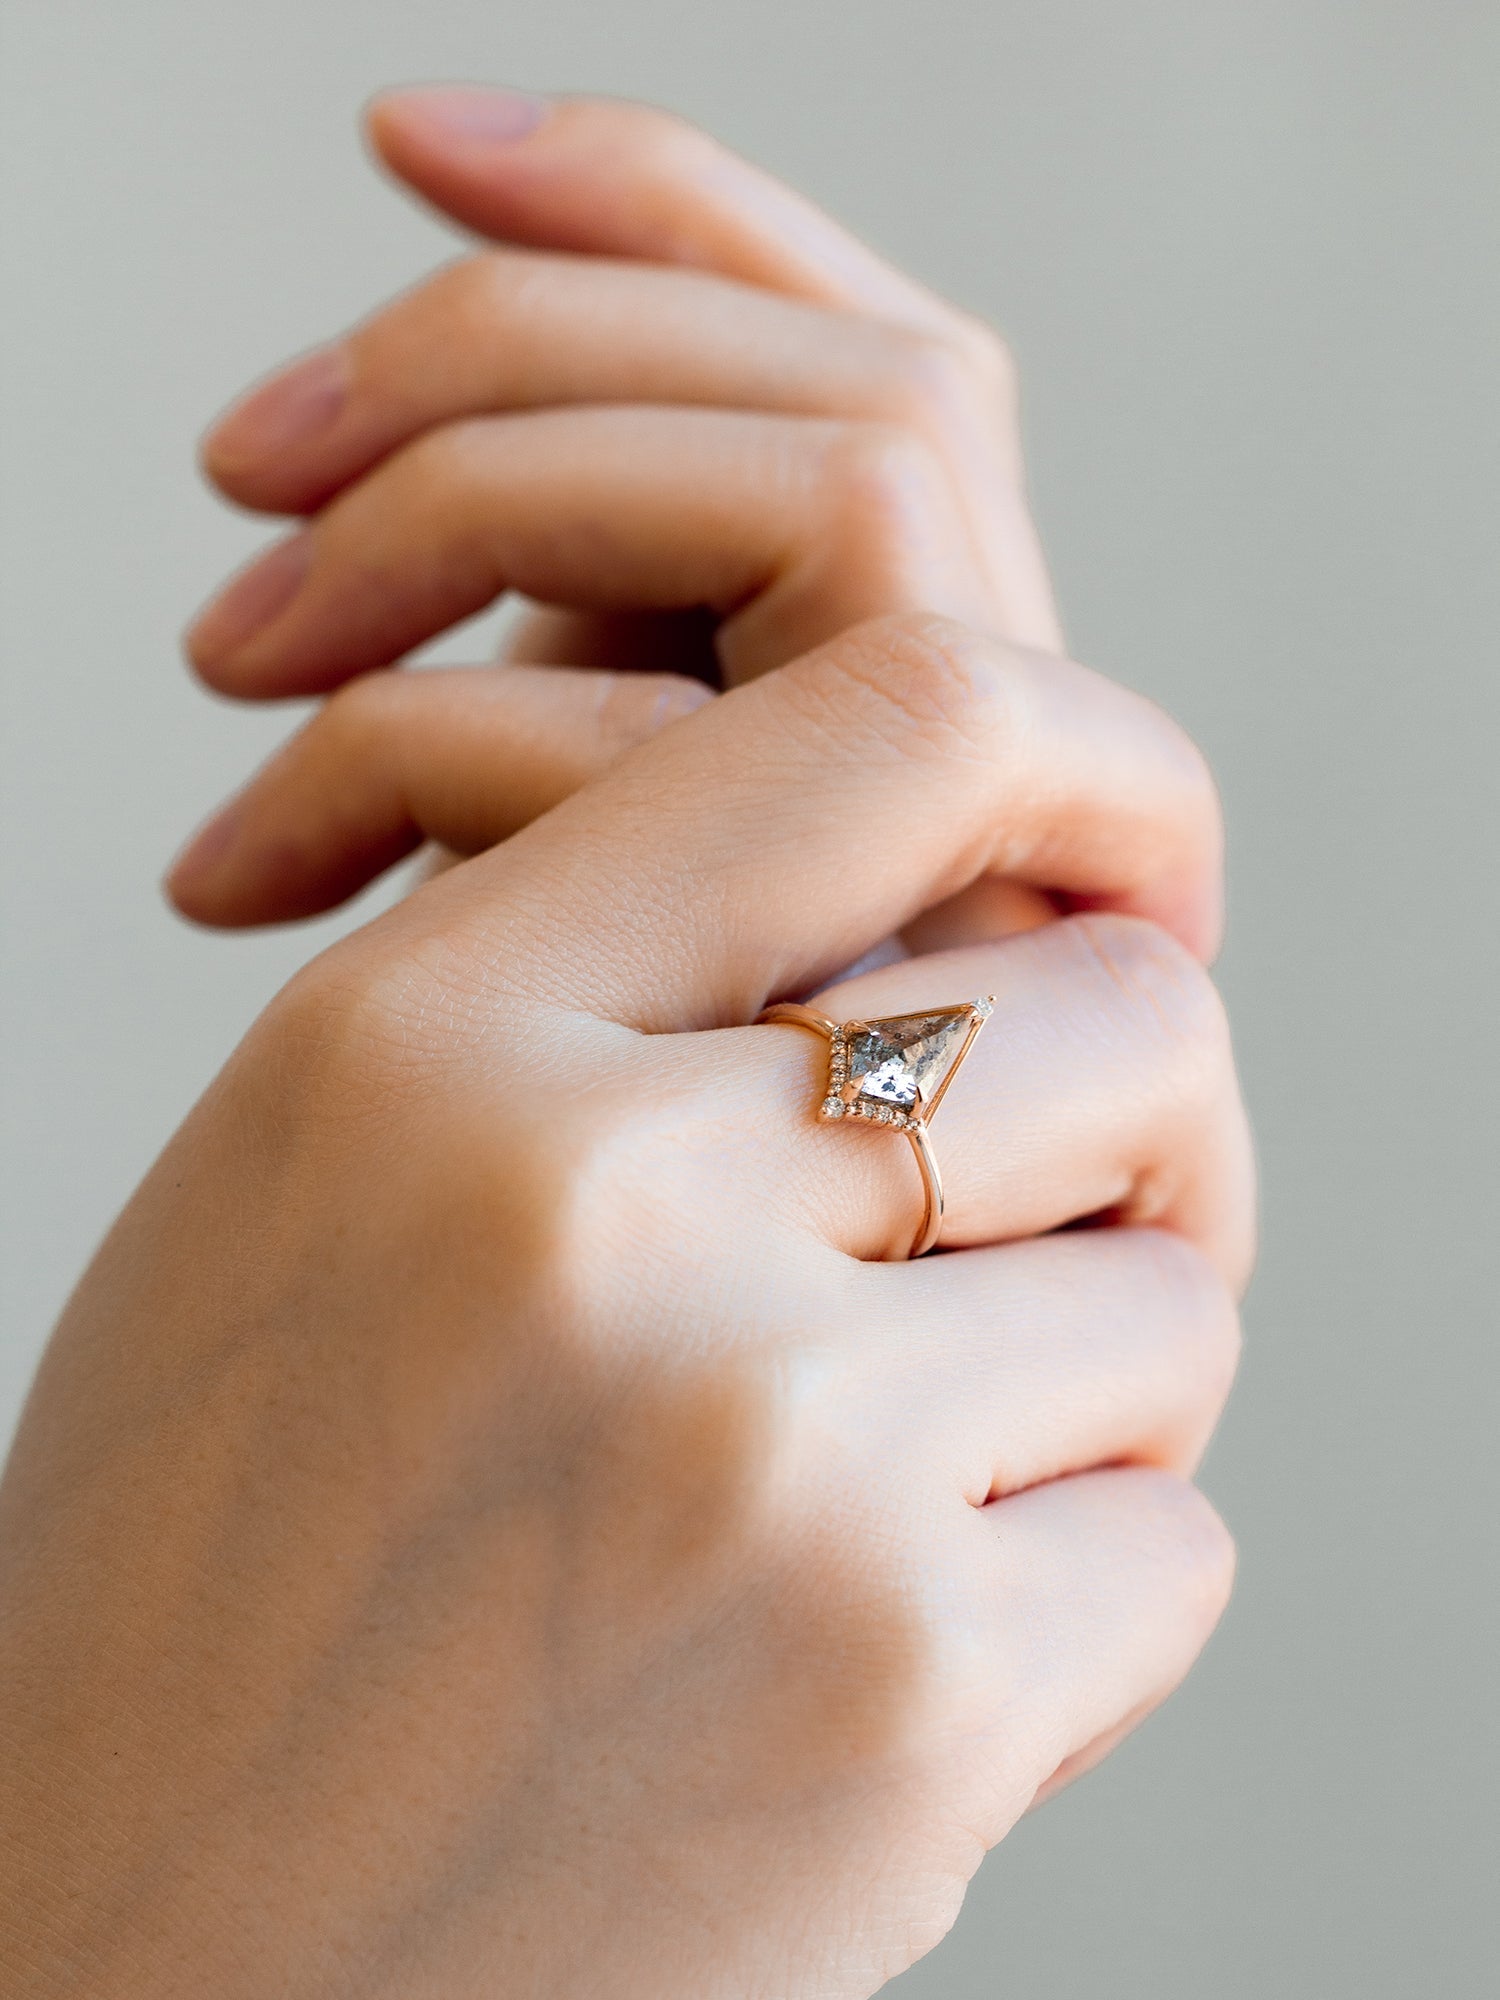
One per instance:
[(792, 1013)]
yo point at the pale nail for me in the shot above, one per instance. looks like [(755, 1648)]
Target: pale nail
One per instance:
[(250, 601), (482, 117), (288, 410)]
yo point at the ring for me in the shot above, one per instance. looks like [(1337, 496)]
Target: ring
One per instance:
[(894, 1072)]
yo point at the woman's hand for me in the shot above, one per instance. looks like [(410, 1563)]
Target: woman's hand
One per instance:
[(694, 411), (482, 1525)]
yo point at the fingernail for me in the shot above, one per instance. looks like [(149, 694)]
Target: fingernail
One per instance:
[(478, 117), (250, 602), (289, 409), (206, 849)]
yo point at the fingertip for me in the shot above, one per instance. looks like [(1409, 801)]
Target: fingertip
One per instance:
[(192, 878), (449, 118), (191, 897), (184, 901), (244, 451), (384, 124), (232, 887), (250, 602)]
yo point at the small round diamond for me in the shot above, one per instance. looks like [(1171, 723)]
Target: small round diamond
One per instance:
[(832, 1108)]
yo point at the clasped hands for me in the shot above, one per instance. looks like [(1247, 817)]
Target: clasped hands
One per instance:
[(488, 1520)]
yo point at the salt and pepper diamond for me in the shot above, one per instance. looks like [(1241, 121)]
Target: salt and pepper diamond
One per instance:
[(892, 1071)]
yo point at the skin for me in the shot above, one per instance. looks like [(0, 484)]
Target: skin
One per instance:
[(681, 406), (440, 1556)]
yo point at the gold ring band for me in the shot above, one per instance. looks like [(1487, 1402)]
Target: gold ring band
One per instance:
[(894, 1071)]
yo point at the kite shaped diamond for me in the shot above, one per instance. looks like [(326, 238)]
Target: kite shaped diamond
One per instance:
[(895, 1070)]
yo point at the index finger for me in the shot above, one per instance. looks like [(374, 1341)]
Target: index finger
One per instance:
[(754, 848)]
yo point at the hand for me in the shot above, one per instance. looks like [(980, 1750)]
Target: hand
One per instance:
[(700, 393), (482, 1527)]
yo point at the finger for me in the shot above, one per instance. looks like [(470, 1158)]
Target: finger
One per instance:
[(1095, 791), (791, 528), (514, 330), (626, 180), (677, 642), (1001, 1368), (517, 331), (462, 756), (1102, 1087), (777, 834), (1104, 1589)]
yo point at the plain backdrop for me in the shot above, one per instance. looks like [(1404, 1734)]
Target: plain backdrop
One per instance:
[(1247, 254)]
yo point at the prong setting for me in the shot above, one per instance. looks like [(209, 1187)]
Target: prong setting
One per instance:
[(894, 1072)]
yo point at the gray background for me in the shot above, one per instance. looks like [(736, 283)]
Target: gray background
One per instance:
[(1248, 256)]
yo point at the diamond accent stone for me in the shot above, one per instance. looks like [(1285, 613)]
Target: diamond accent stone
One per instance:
[(894, 1062)]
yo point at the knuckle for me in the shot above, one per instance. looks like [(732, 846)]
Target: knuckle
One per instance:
[(357, 718), (921, 680), (463, 290), (474, 287), (1207, 1547), (653, 142), (700, 1439), (497, 285), (1171, 1002), (882, 475), (1177, 1533), (1185, 782), (1198, 1304), (599, 1170), (990, 362), (697, 1444), (449, 462), (460, 303), (942, 381), (343, 1027), (1217, 1325), (930, 379), (905, 1668), (895, 517)]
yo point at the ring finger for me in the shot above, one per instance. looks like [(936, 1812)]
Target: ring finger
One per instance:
[(1102, 1087)]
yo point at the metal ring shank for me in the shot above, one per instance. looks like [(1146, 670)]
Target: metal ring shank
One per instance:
[(792, 1014)]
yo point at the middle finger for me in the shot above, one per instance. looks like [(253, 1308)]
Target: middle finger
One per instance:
[(517, 330)]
